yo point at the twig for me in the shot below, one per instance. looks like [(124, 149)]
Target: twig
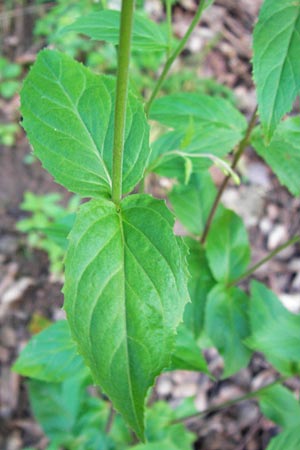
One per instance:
[(110, 419), (260, 263), (229, 403), (242, 145)]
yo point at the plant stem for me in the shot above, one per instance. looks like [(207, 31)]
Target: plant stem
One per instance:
[(169, 23), (242, 145), (110, 419), (121, 96), (174, 55), (229, 403), (260, 263)]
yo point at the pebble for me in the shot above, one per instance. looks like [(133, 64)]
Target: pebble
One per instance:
[(265, 225), (164, 386), (277, 236), (291, 302), (262, 379)]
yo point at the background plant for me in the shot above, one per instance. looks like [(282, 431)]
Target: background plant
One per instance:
[(137, 230)]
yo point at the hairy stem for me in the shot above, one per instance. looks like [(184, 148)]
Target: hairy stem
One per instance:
[(263, 261), (229, 403), (242, 145), (121, 97), (174, 55)]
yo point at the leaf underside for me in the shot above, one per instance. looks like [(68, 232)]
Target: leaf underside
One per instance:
[(125, 292)]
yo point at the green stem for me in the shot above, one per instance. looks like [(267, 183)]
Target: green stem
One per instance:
[(242, 145), (263, 261), (169, 23), (229, 403), (121, 97), (174, 55)]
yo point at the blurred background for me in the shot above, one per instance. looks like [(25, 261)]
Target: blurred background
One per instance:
[(35, 212)]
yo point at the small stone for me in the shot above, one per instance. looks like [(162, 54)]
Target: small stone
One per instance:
[(277, 236), (291, 302), (164, 386), (262, 379), (265, 225), (273, 211)]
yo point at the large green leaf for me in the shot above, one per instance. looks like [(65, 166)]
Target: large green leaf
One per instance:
[(51, 355), (125, 292), (288, 440), (68, 114), (228, 250), (283, 152), (192, 202), (276, 61), (280, 405), (200, 283), (274, 330), (213, 113), (104, 26), (226, 324)]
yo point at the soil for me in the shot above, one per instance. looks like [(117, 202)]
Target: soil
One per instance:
[(271, 215)]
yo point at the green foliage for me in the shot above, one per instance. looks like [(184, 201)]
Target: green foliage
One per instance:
[(135, 261), (279, 337), (289, 440), (79, 151), (51, 356), (192, 202), (128, 279), (228, 250), (200, 283), (276, 62), (104, 26), (48, 225), (8, 132), (280, 405), (226, 324), (9, 78), (282, 154)]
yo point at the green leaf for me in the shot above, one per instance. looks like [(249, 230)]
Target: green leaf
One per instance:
[(288, 440), (227, 326), (227, 247), (203, 126), (68, 115), (200, 283), (280, 405), (69, 416), (161, 434), (125, 292), (282, 154), (186, 354), (104, 26), (192, 202), (51, 355), (276, 60), (215, 113), (56, 406), (279, 337)]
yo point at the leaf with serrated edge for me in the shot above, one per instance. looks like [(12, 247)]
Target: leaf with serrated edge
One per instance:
[(276, 62), (125, 293), (283, 152), (68, 114), (104, 26)]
